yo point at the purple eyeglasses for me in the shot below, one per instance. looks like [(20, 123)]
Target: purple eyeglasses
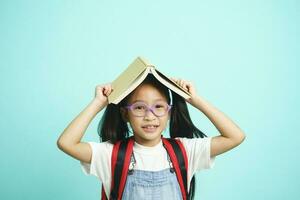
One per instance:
[(140, 109)]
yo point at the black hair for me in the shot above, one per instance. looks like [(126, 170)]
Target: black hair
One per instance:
[(113, 128)]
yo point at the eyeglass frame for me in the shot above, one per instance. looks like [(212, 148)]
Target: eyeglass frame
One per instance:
[(148, 108)]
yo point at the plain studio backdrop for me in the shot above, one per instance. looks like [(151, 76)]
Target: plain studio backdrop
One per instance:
[(243, 57)]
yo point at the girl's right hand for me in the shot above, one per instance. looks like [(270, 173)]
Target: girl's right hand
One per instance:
[(102, 92)]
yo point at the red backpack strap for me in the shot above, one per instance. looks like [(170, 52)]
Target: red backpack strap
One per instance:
[(113, 163), (120, 161), (179, 160)]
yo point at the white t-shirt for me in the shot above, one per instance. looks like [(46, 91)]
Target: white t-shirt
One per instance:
[(149, 158)]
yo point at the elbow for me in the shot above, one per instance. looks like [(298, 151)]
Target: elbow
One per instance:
[(64, 145), (60, 144), (241, 138), (238, 139)]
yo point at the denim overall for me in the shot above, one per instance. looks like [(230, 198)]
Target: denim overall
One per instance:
[(152, 185)]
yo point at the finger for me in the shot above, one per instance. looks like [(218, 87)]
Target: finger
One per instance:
[(109, 91), (186, 85), (173, 79), (104, 90), (189, 84), (181, 82)]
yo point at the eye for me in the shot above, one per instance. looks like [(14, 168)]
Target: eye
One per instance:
[(160, 105), (139, 107)]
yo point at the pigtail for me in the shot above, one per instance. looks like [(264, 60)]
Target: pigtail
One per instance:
[(181, 124), (111, 126)]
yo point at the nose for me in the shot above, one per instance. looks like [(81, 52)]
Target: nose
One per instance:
[(149, 114)]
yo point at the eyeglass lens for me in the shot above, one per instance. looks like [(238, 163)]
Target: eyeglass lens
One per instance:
[(140, 109)]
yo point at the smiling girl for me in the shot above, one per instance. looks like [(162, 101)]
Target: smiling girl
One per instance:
[(145, 114)]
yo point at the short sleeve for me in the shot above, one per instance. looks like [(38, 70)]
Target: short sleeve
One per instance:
[(100, 161), (198, 152)]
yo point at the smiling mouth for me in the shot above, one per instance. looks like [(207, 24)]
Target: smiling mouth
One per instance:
[(150, 128)]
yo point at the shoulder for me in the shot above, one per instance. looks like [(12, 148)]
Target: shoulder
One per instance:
[(189, 142), (195, 145), (198, 152)]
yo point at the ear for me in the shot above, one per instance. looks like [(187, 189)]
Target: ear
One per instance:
[(124, 114)]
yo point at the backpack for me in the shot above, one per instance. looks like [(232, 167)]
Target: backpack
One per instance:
[(120, 161)]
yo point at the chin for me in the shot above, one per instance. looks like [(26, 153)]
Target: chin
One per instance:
[(150, 136)]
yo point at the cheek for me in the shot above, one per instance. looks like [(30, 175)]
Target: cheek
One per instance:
[(165, 121), (134, 122)]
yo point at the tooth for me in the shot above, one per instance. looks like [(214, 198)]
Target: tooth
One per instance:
[(150, 126)]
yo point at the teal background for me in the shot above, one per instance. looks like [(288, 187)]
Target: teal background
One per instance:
[(243, 57)]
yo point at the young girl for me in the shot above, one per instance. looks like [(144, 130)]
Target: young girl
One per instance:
[(145, 113)]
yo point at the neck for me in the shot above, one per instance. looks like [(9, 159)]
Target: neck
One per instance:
[(147, 143)]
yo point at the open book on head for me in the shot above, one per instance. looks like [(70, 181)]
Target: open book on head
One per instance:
[(134, 75)]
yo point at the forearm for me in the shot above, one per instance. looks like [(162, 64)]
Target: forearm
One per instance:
[(76, 129), (224, 124)]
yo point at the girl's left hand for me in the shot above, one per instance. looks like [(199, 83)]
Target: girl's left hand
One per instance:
[(189, 87)]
